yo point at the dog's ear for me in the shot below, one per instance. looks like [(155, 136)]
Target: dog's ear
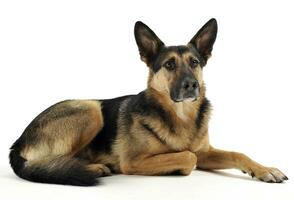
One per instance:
[(204, 39), (148, 43)]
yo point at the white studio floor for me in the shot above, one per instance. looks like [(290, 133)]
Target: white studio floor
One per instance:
[(229, 184)]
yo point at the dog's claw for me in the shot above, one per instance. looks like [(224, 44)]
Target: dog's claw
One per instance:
[(252, 174), (269, 175)]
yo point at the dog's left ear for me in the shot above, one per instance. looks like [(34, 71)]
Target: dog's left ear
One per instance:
[(148, 43), (204, 39)]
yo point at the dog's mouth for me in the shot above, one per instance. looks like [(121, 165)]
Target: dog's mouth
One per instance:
[(186, 97), (185, 100)]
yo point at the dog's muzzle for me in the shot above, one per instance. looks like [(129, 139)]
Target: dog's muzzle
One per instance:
[(186, 89)]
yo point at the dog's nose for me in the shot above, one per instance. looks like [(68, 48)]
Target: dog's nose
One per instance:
[(190, 84)]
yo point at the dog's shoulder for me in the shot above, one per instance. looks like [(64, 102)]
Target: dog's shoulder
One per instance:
[(147, 106)]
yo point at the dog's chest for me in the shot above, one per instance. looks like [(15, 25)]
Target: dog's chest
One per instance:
[(185, 136), (189, 135)]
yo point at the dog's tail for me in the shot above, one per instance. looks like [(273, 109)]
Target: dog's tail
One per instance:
[(57, 170)]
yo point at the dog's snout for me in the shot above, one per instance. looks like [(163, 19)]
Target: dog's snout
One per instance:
[(189, 84)]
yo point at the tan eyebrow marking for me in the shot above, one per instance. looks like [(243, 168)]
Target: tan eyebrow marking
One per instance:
[(189, 55)]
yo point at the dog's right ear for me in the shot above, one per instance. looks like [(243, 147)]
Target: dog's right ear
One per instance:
[(148, 43)]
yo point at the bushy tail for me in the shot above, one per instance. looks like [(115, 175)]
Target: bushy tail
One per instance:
[(58, 170)]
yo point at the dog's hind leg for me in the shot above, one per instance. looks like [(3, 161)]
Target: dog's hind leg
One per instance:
[(46, 152), (219, 159), (100, 169)]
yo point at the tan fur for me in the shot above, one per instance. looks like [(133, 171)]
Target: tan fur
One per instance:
[(100, 169), (66, 136), (159, 164), (110, 160), (160, 81)]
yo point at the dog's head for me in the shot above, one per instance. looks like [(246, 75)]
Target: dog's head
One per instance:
[(176, 70)]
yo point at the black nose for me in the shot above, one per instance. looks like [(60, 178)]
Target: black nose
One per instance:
[(189, 84)]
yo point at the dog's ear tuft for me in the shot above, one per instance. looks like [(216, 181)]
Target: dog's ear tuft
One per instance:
[(148, 43), (204, 39)]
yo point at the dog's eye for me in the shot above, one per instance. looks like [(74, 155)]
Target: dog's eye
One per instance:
[(194, 62), (170, 64)]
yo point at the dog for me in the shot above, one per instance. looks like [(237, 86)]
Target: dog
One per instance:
[(160, 131)]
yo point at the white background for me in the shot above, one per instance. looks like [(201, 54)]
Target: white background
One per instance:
[(55, 50)]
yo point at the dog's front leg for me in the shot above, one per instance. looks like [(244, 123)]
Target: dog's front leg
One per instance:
[(219, 159), (160, 164)]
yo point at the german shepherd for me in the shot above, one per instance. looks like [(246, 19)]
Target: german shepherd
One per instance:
[(162, 130)]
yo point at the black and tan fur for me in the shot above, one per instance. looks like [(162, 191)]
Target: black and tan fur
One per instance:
[(161, 130)]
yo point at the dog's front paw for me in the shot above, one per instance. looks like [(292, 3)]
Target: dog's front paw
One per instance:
[(268, 174), (191, 160)]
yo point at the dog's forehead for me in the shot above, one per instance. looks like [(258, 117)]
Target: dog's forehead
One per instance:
[(180, 51)]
